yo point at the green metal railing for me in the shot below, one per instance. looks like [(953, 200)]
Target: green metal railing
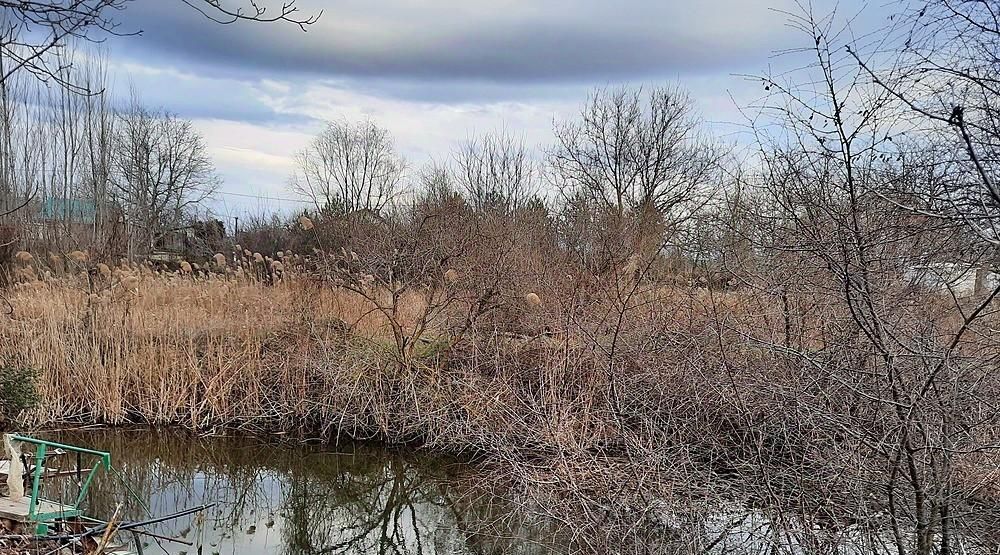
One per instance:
[(41, 448)]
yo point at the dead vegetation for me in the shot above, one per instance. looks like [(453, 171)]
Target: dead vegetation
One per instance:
[(591, 401), (522, 381)]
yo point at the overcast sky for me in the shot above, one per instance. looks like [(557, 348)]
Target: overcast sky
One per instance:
[(433, 72)]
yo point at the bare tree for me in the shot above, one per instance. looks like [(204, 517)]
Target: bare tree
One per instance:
[(37, 41), (161, 168), (632, 149), (632, 170), (98, 123), (892, 395), (55, 156), (23, 145), (496, 172), (65, 124), (944, 72), (349, 167)]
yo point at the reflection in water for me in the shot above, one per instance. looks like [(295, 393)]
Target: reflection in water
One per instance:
[(296, 499)]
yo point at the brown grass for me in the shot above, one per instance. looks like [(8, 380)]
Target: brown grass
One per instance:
[(229, 350), (176, 350)]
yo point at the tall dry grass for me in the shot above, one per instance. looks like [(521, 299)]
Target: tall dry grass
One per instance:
[(228, 349), (174, 348), (301, 356)]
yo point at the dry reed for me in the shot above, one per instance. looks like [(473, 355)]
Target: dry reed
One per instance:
[(193, 352)]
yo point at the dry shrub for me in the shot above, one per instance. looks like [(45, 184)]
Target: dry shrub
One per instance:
[(238, 352)]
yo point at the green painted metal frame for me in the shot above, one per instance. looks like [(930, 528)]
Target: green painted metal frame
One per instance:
[(41, 446)]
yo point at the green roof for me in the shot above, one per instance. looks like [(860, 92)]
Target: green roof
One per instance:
[(71, 209)]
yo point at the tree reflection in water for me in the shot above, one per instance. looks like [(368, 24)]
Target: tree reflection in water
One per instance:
[(283, 497)]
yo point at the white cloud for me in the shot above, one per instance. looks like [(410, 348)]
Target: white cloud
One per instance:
[(425, 130)]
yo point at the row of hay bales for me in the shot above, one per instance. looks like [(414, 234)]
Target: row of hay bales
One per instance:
[(78, 265), (104, 281)]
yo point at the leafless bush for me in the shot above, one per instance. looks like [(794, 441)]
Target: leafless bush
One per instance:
[(890, 393)]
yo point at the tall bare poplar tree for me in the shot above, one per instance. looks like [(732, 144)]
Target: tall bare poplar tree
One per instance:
[(161, 169)]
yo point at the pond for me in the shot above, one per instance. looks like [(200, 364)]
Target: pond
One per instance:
[(275, 496)]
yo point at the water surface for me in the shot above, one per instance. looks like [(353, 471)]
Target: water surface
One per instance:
[(275, 496)]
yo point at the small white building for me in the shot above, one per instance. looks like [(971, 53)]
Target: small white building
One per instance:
[(963, 280)]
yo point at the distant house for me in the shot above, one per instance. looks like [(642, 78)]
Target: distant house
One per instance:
[(63, 221), (68, 211), (963, 280)]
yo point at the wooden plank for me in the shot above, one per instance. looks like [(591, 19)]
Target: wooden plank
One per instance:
[(17, 509), (52, 473)]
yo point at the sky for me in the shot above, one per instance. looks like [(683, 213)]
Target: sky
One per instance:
[(433, 72)]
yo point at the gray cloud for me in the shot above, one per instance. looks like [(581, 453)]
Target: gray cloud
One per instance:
[(195, 95), (498, 42)]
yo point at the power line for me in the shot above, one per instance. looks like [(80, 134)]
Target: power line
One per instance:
[(260, 197)]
